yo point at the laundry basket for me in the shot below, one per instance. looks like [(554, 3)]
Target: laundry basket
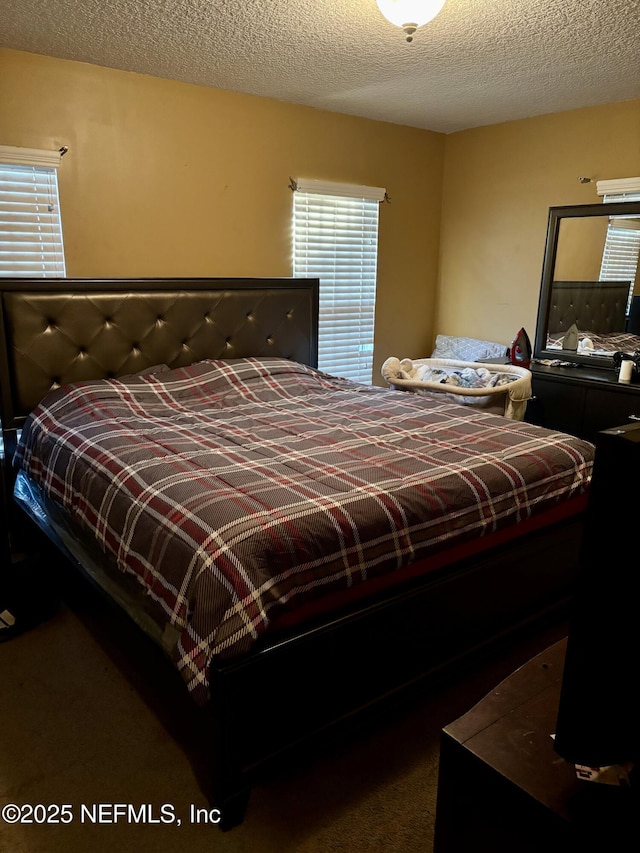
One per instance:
[(506, 392)]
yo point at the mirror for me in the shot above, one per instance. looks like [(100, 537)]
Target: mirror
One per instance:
[(587, 309)]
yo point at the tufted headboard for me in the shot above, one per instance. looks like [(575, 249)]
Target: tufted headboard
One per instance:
[(57, 331), (594, 306)]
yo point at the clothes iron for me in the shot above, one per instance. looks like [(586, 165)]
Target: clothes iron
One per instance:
[(520, 350)]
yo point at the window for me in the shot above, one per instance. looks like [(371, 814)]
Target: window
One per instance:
[(622, 245), (30, 225), (335, 239)]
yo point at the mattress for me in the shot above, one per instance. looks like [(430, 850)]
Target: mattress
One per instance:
[(237, 493)]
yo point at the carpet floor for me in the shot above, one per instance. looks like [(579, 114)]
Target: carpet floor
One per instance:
[(83, 724)]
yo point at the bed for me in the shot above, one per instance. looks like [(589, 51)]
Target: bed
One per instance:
[(306, 550)]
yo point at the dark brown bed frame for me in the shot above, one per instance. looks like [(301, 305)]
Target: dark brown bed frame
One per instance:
[(295, 688)]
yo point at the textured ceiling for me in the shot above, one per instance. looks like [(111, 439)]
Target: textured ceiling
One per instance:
[(479, 62)]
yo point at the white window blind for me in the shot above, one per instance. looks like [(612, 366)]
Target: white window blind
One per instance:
[(335, 239), (30, 224), (622, 245)]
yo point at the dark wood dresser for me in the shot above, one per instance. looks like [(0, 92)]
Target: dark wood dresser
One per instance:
[(581, 400)]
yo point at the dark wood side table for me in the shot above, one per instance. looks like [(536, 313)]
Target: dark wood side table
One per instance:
[(27, 591), (503, 788), (4, 512)]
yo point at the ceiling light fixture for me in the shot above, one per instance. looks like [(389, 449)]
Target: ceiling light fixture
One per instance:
[(410, 14)]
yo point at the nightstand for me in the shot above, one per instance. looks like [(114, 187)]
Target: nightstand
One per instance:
[(4, 513), (26, 588)]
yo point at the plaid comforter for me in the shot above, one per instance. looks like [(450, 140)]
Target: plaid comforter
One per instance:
[(237, 490)]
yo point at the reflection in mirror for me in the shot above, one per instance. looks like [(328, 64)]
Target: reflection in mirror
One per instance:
[(597, 312), (587, 309)]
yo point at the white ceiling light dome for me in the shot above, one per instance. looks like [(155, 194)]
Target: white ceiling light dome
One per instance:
[(410, 14)]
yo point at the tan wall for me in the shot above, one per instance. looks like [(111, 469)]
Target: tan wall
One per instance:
[(167, 178), (159, 175), (499, 183)]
